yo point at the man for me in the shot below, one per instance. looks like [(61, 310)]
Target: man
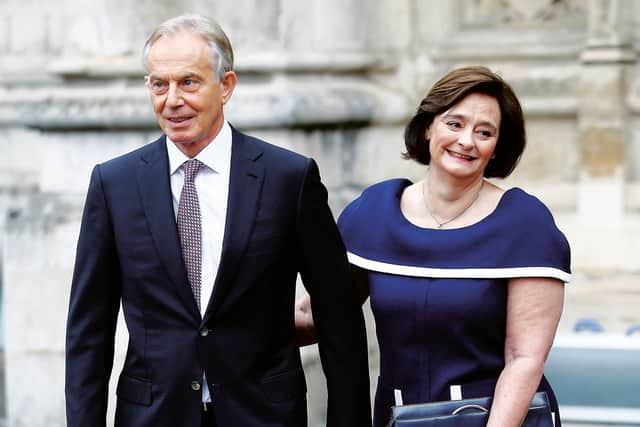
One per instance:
[(200, 235)]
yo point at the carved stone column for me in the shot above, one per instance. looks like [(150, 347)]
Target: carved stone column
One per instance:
[(603, 116), (39, 241)]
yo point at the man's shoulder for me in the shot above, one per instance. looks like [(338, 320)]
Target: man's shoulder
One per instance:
[(121, 169), (270, 151), (147, 152)]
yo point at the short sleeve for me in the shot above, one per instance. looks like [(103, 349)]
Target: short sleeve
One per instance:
[(537, 243)]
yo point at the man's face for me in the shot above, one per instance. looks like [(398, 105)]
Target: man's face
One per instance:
[(186, 97)]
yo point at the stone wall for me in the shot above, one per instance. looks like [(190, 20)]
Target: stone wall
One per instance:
[(333, 79)]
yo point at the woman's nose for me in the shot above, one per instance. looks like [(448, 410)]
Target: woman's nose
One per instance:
[(465, 139)]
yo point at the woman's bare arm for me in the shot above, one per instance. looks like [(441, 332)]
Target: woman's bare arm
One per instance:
[(534, 306)]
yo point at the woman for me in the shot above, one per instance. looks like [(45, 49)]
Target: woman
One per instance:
[(466, 279)]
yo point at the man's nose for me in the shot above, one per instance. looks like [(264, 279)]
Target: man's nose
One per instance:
[(174, 95)]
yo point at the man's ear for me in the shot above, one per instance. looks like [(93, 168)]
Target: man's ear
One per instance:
[(228, 84)]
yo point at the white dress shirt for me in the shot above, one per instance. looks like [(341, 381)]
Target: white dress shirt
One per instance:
[(212, 186)]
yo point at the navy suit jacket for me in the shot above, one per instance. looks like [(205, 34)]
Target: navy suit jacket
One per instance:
[(278, 225)]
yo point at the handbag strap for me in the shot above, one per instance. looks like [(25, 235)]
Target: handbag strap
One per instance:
[(465, 407)]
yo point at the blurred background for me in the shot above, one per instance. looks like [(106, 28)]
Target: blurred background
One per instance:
[(335, 80)]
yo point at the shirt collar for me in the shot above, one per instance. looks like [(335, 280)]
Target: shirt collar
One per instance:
[(216, 155)]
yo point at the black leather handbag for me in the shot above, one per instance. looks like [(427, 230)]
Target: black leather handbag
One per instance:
[(465, 413)]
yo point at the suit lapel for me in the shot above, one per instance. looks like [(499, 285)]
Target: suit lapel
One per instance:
[(245, 186), (155, 191)]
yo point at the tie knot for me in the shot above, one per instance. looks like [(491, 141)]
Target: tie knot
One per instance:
[(191, 168)]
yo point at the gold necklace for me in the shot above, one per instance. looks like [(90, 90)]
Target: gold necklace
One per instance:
[(458, 215)]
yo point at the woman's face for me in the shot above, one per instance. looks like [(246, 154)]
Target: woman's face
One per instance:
[(463, 138)]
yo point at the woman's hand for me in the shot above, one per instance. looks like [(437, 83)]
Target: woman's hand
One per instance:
[(305, 329)]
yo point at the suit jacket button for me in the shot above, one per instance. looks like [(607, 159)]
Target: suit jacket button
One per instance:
[(195, 385), (204, 332)]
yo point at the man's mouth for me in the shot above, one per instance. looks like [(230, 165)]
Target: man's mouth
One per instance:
[(178, 119)]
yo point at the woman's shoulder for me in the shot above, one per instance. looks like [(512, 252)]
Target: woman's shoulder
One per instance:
[(525, 208), (531, 231), (386, 187), (377, 196), (365, 222)]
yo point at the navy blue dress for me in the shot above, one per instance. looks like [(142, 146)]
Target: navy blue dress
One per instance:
[(439, 296)]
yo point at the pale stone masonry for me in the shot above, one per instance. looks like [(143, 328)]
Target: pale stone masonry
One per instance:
[(332, 79)]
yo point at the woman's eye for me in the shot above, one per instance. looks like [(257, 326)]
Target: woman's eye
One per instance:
[(486, 133), (454, 124)]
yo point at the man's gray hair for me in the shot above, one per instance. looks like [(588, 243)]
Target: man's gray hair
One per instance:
[(210, 30)]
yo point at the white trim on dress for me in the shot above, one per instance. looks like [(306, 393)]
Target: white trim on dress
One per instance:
[(458, 273)]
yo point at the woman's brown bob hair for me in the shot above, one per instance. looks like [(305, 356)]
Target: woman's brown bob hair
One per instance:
[(451, 89)]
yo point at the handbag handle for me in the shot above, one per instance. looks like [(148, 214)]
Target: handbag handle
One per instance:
[(465, 407)]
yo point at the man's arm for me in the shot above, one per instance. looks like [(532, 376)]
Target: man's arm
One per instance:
[(305, 330), (337, 311), (93, 311)]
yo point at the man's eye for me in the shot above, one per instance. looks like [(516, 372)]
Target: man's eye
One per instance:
[(190, 84)]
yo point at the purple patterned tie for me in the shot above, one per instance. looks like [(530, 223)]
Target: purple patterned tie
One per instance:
[(189, 227)]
